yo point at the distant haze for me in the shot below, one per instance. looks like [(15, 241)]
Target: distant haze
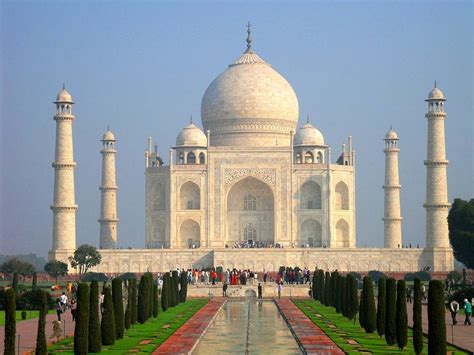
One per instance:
[(142, 68)]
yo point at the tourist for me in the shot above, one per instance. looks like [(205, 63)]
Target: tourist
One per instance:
[(423, 292), (454, 308), (101, 302), (409, 297), (467, 311), (260, 291), (213, 277), (63, 300), (224, 289), (206, 277), (59, 309), (280, 287), (265, 275), (73, 309)]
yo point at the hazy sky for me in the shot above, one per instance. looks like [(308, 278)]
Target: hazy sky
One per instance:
[(142, 67)]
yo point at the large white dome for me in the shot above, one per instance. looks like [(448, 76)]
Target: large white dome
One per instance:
[(250, 104)]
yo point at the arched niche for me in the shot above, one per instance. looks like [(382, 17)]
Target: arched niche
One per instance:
[(189, 234), (342, 196), (189, 196), (310, 196), (342, 234), (311, 233)]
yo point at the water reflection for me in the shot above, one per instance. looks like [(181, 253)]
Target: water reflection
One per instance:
[(248, 327)]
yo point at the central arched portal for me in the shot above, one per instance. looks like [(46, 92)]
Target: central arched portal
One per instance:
[(250, 213)]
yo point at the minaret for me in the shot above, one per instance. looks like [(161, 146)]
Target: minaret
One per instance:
[(108, 203), (437, 205), (64, 206), (392, 219)]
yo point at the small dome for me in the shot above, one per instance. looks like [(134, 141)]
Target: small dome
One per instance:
[(64, 96), (191, 136), (436, 93), (391, 134), (308, 135), (108, 136)]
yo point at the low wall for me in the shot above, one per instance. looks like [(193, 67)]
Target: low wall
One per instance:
[(268, 291)]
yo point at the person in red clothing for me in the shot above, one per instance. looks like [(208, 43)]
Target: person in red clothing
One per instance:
[(214, 276)]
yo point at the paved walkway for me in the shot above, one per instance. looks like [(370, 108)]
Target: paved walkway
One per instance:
[(183, 340), (459, 335), (308, 334), (27, 330)]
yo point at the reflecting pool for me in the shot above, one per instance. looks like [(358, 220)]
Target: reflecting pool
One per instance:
[(248, 327)]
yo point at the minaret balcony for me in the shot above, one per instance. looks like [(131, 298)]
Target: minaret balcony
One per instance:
[(100, 220), (63, 208), (436, 205), (63, 117), (392, 219), (391, 186), (436, 162), (63, 165), (108, 188)]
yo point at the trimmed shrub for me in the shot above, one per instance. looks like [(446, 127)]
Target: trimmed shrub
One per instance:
[(15, 282), (353, 298), (355, 275), (150, 292), (107, 326), (327, 289), (183, 289), (455, 276), (128, 311), (23, 315), (155, 300), (321, 284), (81, 329), (333, 283), (370, 316), (436, 320), (314, 285), (381, 303), (176, 286), (401, 318), (344, 296), (338, 304), (165, 302), (409, 276), (391, 310), (133, 309), (171, 290), (127, 276), (362, 308), (41, 344), (118, 307), (142, 309), (10, 322), (95, 345), (34, 281), (417, 318)]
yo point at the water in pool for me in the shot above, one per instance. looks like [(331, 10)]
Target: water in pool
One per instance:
[(248, 327)]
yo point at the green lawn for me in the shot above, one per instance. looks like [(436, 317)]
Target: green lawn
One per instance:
[(34, 314), (341, 330), (156, 330)]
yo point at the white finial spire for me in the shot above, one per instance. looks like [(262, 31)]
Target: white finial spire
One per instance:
[(307, 118), (64, 86), (436, 84), (191, 119), (249, 39)]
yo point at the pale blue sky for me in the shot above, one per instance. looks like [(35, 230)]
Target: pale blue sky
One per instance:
[(142, 67)]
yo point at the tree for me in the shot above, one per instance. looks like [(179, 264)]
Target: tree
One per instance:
[(34, 281), (417, 318), (15, 265), (107, 326), (10, 322), (41, 344), (171, 291), (150, 297), (353, 298), (55, 269), (314, 285), (334, 275), (321, 286), (15, 282), (183, 291), (390, 315), (128, 311), (176, 286), (338, 293), (118, 308), (155, 300), (164, 292), (81, 329), (95, 341), (327, 290), (461, 231), (401, 318), (381, 300), (362, 308), (370, 317), (85, 257), (344, 296), (436, 318), (143, 295), (133, 310)]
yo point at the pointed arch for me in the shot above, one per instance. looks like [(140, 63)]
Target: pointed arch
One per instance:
[(308, 158), (191, 158), (202, 158), (342, 196), (310, 196), (342, 234), (189, 234), (311, 233), (189, 195)]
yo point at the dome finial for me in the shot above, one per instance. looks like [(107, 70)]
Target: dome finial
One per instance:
[(64, 86), (191, 119), (249, 39), (390, 126), (436, 84), (307, 118)]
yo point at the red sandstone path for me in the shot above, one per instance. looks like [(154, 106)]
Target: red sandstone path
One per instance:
[(28, 329), (308, 334), (463, 334), (183, 340)]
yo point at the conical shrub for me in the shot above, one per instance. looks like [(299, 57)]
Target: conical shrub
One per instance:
[(314, 285), (391, 310), (327, 289), (10, 322), (133, 308), (118, 308), (338, 293), (107, 326), (436, 318), (401, 318), (165, 302), (128, 311), (95, 341), (81, 329), (176, 286), (155, 300), (370, 316), (381, 300), (417, 318), (183, 289), (41, 343)]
